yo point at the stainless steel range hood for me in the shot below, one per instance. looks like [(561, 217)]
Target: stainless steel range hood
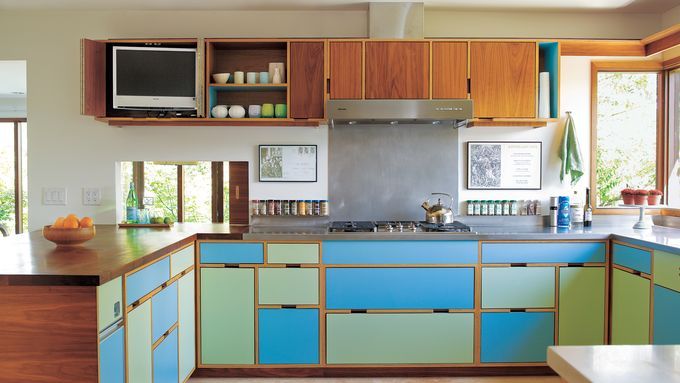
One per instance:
[(455, 111)]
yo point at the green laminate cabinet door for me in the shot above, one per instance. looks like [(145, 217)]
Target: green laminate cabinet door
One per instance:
[(581, 309), (139, 344), (400, 338), (288, 286), (630, 308), (292, 253), (109, 303), (667, 270), (227, 316), (518, 287), (187, 325)]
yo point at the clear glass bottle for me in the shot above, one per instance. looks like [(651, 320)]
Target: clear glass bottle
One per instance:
[(498, 207), (132, 206), (522, 207), (506, 207), (513, 207), (484, 207), (477, 207)]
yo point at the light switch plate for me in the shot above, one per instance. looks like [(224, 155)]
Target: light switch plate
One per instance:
[(92, 196), (54, 196)]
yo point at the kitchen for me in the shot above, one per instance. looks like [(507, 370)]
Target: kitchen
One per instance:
[(285, 295)]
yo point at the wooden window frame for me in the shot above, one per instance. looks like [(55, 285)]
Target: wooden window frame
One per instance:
[(18, 176), (669, 66), (661, 130)]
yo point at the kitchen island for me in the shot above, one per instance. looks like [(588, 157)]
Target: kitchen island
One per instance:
[(301, 301)]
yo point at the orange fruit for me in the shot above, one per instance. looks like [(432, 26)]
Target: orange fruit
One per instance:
[(59, 223), (86, 222), (71, 222)]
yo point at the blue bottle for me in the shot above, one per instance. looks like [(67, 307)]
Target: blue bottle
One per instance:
[(563, 216)]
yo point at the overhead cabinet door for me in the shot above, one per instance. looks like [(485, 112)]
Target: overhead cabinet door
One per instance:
[(345, 70), (503, 79), (397, 69), (449, 69), (306, 79)]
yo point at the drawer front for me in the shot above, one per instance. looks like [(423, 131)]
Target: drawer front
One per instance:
[(630, 308), (400, 288), (181, 260), (187, 325), (582, 306), (666, 315), (232, 252), (109, 303), (399, 252), (145, 280), (667, 270), (288, 336), (633, 258), (532, 252), (164, 311), (165, 364), (288, 286), (400, 338), (112, 358), (139, 345), (518, 287), (297, 253), (517, 337)]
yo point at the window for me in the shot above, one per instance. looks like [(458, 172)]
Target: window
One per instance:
[(674, 138), (13, 196), (627, 125)]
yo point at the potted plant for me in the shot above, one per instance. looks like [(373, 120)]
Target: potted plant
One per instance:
[(628, 196), (654, 197), (641, 196)]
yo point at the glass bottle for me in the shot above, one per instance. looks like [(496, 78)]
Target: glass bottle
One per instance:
[(588, 211), (131, 206), (484, 207), (470, 207), (513, 207)]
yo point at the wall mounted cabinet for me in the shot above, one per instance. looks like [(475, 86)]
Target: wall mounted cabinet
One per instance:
[(449, 69), (397, 69), (307, 80), (345, 61)]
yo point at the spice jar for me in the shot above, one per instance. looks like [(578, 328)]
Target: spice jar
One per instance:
[(316, 207), (271, 209), (293, 207), (324, 208), (302, 207), (255, 206), (309, 207), (285, 207), (277, 207)]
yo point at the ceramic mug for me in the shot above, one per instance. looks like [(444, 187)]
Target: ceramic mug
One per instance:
[(254, 111), (219, 111), (251, 77), (237, 111), (238, 77), (280, 111), (264, 77), (267, 111)]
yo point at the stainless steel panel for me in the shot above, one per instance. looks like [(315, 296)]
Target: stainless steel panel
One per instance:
[(396, 20), (341, 112)]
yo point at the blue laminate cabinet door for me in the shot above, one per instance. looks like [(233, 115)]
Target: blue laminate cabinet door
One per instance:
[(112, 358), (165, 360), (517, 337), (666, 316), (288, 336), (164, 307)]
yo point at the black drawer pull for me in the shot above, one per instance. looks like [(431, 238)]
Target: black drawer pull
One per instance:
[(518, 265), (358, 311), (518, 310), (440, 311), (293, 266), (288, 306)]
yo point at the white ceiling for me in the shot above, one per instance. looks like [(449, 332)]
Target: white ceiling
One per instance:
[(637, 6)]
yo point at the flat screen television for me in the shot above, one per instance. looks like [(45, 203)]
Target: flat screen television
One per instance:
[(154, 78)]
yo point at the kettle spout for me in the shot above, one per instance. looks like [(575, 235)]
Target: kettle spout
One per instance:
[(426, 205)]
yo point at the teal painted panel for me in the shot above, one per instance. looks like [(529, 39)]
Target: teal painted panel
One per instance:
[(517, 337), (288, 336), (165, 363), (399, 252), (633, 258), (146, 280), (542, 252), (518, 287), (666, 316), (231, 252), (164, 307), (112, 358), (550, 53)]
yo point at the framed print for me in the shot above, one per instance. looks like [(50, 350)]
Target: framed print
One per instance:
[(288, 163), (504, 165)]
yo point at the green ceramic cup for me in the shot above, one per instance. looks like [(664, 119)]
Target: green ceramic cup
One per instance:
[(280, 111), (267, 111)]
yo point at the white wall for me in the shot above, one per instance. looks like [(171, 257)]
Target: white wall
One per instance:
[(671, 17)]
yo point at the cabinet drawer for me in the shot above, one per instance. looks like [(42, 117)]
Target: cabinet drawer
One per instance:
[(532, 252), (518, 287), (164, 307), (399, 338), (293, 253), (145, 280), (112, 358), (165, 364), (517, 337), (632, 257), (666, 315), (667, 270), (232, 252), (288, 286), (139, 346), (399, 252), (288, 336), (629, 308), (187, 325), (400, 288), (181, 260), (109, 303)]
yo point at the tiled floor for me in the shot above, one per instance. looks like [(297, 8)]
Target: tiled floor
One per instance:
[(514, 379)]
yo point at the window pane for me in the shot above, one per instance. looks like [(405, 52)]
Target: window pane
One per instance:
[(674, 138), (7, 176), (197, 192), (160, 188), (24, 174), (626, 134), (226, 192)]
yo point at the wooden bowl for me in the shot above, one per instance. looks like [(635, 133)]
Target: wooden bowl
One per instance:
[(68, 237)]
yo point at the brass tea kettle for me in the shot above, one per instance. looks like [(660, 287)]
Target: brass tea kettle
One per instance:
[(438, 213)]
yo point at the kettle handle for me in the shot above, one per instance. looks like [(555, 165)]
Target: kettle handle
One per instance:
[(445, 194)]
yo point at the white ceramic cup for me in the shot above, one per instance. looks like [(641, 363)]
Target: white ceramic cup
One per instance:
[(251, 77), (254, 111), (238, 77)]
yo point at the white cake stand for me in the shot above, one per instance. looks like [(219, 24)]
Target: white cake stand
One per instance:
[(644, 222)]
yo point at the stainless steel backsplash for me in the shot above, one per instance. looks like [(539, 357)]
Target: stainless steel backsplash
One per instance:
[(386, 172)]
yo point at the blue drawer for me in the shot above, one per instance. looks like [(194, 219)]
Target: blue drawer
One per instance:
[(165, 360), (112, 358), (232, 252), (399, 252), (145, 280), (400, 288), (632, 257), (288, 336), (666, 316), (517, 337), (541, 252), (164, 311)]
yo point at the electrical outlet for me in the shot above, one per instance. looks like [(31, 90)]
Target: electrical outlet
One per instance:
[(92, 196), (54, 196)]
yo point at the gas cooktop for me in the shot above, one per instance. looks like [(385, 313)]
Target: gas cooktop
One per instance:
[(396, 227)]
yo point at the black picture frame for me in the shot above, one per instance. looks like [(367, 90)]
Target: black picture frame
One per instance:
[(261, 165), (469, 165)]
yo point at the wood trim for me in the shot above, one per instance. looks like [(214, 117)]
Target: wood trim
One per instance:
[(602, 48), (376, 371), (180, 193), (18, 180), (217, 175), (239, 204), (528, 123), (671, 63), (660, 41), (202, 122), (19, 119), (627, 66), (92, 78)]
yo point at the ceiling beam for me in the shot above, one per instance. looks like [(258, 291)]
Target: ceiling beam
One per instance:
[(659, 42)]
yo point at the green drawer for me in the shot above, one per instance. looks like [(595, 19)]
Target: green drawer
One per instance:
[(181, 260), (400, 338), (667, 270), (109, 303), (582, 306), (518, 287), (293, 253), (630, 308), (288, 286)]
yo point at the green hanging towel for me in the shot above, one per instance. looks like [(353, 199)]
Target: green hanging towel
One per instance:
[(570, 153)]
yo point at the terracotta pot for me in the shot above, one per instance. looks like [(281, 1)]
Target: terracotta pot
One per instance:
[(654, 199), (628, 199), (640, 199)]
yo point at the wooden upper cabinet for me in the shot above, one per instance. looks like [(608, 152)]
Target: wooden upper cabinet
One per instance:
[(449, 69), (503, 79), (93, 78), (306, 83), (397, 69), (345, 65)]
